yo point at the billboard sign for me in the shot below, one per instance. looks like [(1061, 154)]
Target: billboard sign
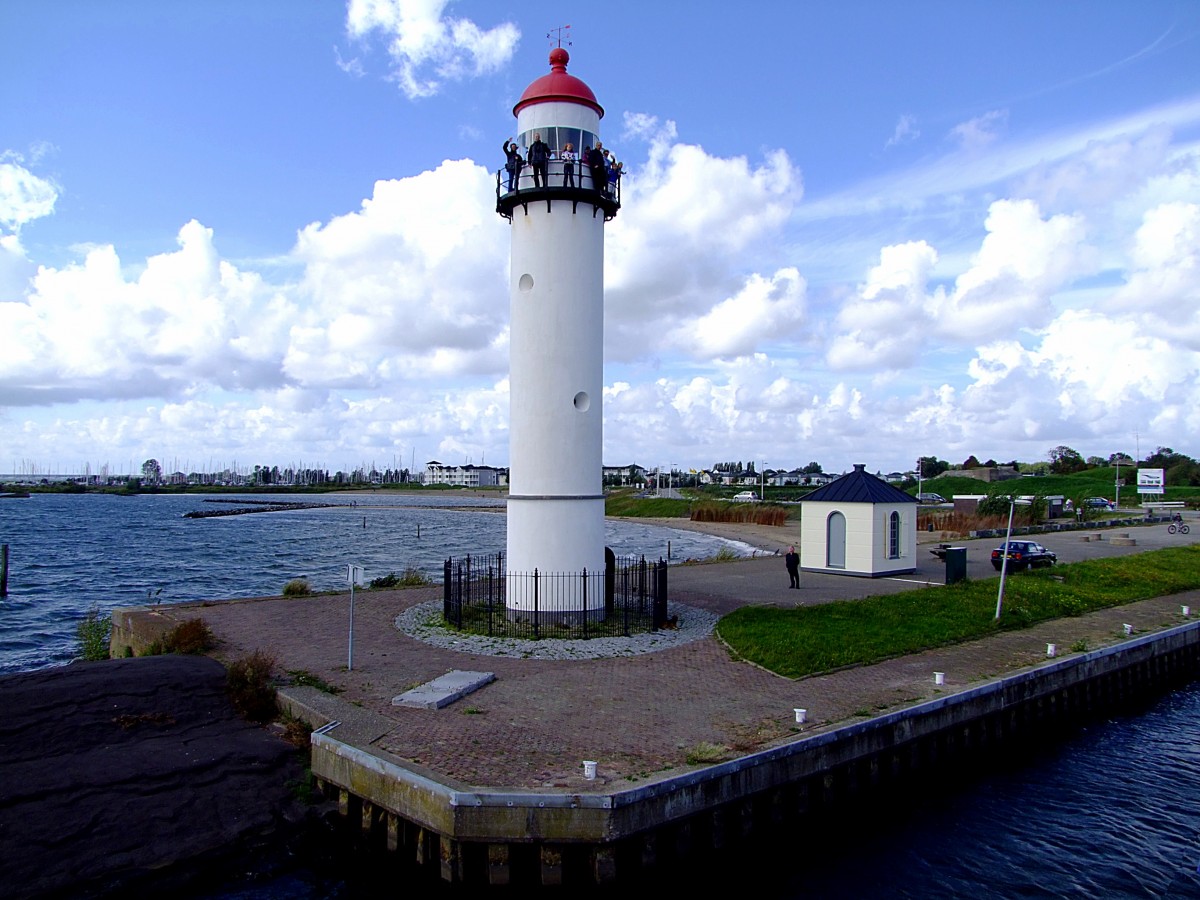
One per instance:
[(1150, 481)]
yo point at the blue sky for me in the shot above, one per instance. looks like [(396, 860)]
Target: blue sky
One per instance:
[(264, 232)]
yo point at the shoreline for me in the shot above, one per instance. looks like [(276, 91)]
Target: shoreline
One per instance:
[(765, 539)]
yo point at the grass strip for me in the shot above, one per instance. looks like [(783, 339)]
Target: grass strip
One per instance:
[(809, 640)]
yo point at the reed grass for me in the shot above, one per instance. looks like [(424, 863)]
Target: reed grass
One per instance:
[(740, 513)]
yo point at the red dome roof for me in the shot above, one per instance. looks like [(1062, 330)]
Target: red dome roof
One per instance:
[(558, 85)]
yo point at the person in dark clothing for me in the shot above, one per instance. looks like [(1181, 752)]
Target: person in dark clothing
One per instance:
[(595, 164), (792, 561), (513, 164), (539, 159)]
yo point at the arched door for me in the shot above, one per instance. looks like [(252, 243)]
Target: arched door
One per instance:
[(835, 541)]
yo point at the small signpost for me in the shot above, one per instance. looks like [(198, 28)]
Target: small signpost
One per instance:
[(354, 575)]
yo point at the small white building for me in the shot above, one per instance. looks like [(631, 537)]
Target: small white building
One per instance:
[(858, 525)]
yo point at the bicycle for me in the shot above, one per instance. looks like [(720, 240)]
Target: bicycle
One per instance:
[(1181, 528)]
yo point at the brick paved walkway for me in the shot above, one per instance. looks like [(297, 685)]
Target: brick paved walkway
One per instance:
[(639, 717)]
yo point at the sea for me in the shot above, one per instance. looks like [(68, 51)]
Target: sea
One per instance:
[(1111, 811), (69, 553)]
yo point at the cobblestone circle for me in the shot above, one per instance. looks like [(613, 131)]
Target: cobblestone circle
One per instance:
[(424, 623)]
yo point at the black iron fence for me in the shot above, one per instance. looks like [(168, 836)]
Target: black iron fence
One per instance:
[(628, 596)]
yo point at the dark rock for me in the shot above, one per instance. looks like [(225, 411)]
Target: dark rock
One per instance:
[(128, 773)]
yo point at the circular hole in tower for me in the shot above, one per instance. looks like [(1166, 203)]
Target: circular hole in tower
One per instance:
[(582, 401), (526, 283)]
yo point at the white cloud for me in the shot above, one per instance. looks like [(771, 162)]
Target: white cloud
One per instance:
[(1021, 262), (905, 132), (428, 48), (23, 195), (85, 331), (1066, 311), (1163, 289), (896, 316), (978, 133), (411, 286), (764, 311), (690, 225), (1099, 174), (882, 326)]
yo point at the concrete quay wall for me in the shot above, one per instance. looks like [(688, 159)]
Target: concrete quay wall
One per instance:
[(488, 836)]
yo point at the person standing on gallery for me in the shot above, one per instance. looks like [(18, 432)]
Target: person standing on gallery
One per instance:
[(539, 160), (595, 164), (513, 164), (792, 561), (568, 160)]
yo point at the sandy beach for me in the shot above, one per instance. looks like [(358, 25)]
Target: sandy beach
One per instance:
[(769, 539)]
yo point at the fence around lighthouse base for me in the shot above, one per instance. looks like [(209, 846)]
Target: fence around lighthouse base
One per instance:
[(628, 596)]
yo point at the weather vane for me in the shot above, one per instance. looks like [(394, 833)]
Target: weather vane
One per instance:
[(560, 35)]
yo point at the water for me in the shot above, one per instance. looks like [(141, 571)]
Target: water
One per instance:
[(69, 552), (1112, 812)]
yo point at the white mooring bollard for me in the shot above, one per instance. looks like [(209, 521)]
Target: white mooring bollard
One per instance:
[(939, 677), (1187, 611), (1128, 629), (589, 769), (801, 715), (1052, 650)]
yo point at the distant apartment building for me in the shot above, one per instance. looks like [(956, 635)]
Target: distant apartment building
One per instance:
[(464, 476), (620, 475)]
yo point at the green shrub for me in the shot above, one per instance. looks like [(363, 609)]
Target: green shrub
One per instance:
[(93, 634), (251, 691), (411, 577), (297, 587), (191, 636)]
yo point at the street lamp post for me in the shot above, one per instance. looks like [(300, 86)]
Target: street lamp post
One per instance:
[(1012, 504)]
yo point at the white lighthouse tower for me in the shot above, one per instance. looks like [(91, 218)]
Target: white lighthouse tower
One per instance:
[(556, 367)]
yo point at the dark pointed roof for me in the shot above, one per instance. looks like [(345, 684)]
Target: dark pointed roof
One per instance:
[(859, 486)]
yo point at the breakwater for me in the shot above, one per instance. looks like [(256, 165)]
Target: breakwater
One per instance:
[(246, 507), (500, 837)]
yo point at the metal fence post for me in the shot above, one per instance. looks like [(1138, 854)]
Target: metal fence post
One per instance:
[(585, 607), (489, 600), (535, 603), (659, 618)]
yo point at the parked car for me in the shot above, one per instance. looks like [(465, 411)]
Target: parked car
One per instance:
[(745, 497), (1099, 503), (1023, 555), (930, 498)]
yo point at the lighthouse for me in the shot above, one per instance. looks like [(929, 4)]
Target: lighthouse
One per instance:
[(556, 556)]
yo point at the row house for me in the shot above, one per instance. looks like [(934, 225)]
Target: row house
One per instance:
[(464, 476)]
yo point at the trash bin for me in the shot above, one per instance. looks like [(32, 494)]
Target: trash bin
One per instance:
[(956, 564)]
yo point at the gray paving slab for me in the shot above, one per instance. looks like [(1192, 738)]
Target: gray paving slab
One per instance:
[(444, 690)]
